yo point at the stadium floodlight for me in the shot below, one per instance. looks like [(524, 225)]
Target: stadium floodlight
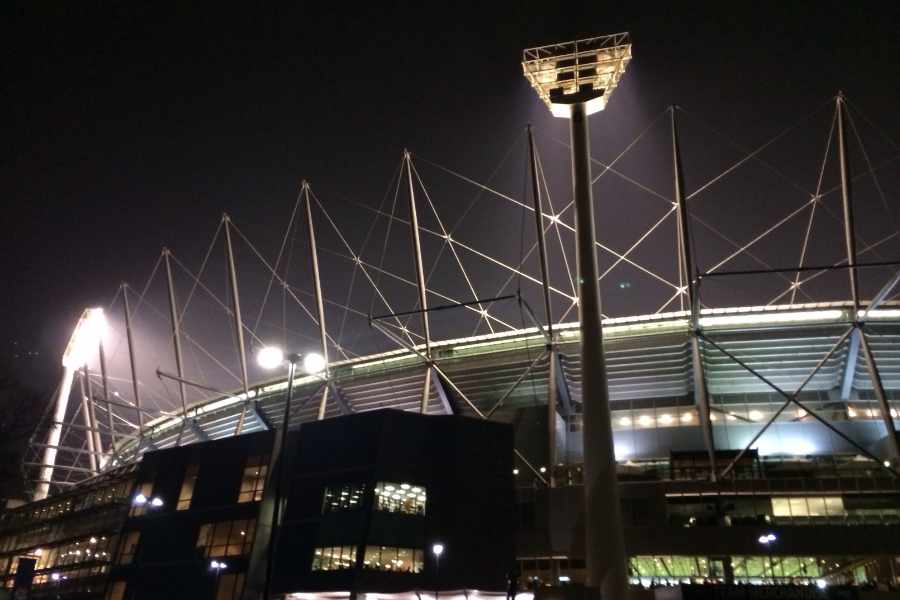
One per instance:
[(270, 357), (437, 550), (85, 339), (582, 71), (313, 363), (575, 80), (139, 500)]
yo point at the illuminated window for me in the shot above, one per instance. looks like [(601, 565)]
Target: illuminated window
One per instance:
[(129, 547), (230, 587), (334, 558), (345, 497), (146, 491), (187, 487), (116, 591), (400, 497), (228, 538), (253, 479), (794, 507), (385, 558)]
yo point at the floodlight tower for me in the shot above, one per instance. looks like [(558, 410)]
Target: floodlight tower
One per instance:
[(86, 337), (575, 80)]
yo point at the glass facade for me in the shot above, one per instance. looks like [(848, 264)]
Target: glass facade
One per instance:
[(343, 497), (253, 479), (187, 487), (386, 558), (129, 547), (334, 558), (226, 538), (400, 497), (230, 586)]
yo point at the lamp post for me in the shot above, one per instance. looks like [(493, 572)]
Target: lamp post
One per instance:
[(437, 549), (575, 80), (272, 357), (767, 540), (216, 567)]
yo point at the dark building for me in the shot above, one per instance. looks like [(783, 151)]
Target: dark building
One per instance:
[(367, 497)]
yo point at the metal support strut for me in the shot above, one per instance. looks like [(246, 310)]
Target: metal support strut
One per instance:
[(238, 322), (176, 339), (320, 302)]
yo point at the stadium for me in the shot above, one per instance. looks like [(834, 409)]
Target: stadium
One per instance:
[(763, 428)]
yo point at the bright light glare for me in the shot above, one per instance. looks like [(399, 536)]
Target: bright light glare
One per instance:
[(438, 549), (85, 338), (313, 363), (763, 539), (270, 357), (157, 502), (139, 500), (54, 576), (821, 584)]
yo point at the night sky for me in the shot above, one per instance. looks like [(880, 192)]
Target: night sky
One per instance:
[(128, 128)]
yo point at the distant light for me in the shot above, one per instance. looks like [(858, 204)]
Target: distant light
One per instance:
[(645, 420), (564, 579), (437, 549), (821, 584), (543, 469), (139, 500), (54, 576), (313, 363), (270, 357), (801, 413), (37, 552), (666, 419), (755, 415), (156, 502), (887, 464), (851, 413), (625, 421), (730, 417), (85, 338), (763, 539), (687, 417), (771, 537), (93, 540), (515, 471)]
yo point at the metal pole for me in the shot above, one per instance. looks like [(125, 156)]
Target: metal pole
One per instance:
[(878, 388), (279, 451), (238, 322), (420, 274), (176, 339), (320, 299), (109, 414), (88, 426), (700, 391), (132, 360), (539, 221), (42, 490), (92, 417), (849, 230), (604, 540)]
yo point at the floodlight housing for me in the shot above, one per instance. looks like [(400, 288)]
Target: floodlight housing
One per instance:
[(582, 71), (85, 338)]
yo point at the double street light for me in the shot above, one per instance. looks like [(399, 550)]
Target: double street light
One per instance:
[(269, 358)]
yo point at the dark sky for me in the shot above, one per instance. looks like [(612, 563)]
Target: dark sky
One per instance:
[(127, 127)]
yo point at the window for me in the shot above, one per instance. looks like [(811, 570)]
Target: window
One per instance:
[(796, 507), (334, 558), (253, 479), (187, 487), (400, 497), (383, 558), (116, 591), (343, 497), (145, 490), (129, 547), (228, 538), (230, 587)]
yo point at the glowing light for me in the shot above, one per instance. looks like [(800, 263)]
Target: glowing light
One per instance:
[(564, 579), (93, 540), (313, 363), (801, 413), (851, 413), (645, 420), (437, 549), (515, 471), (821, 584), (770, 318), (887, 464), (687, 417), (543, 469), (755, 415), (139, 500), (54, 576), (270, 357), (730, 417), (156, 502), (666, 419), (625, 421), (85, 338)]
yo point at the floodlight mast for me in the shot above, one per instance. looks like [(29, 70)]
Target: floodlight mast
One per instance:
[(576, 79)]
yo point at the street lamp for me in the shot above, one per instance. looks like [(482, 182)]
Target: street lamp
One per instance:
[(216, 567), (767, 540), (437, 549), (272, 357), (576, 79)]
